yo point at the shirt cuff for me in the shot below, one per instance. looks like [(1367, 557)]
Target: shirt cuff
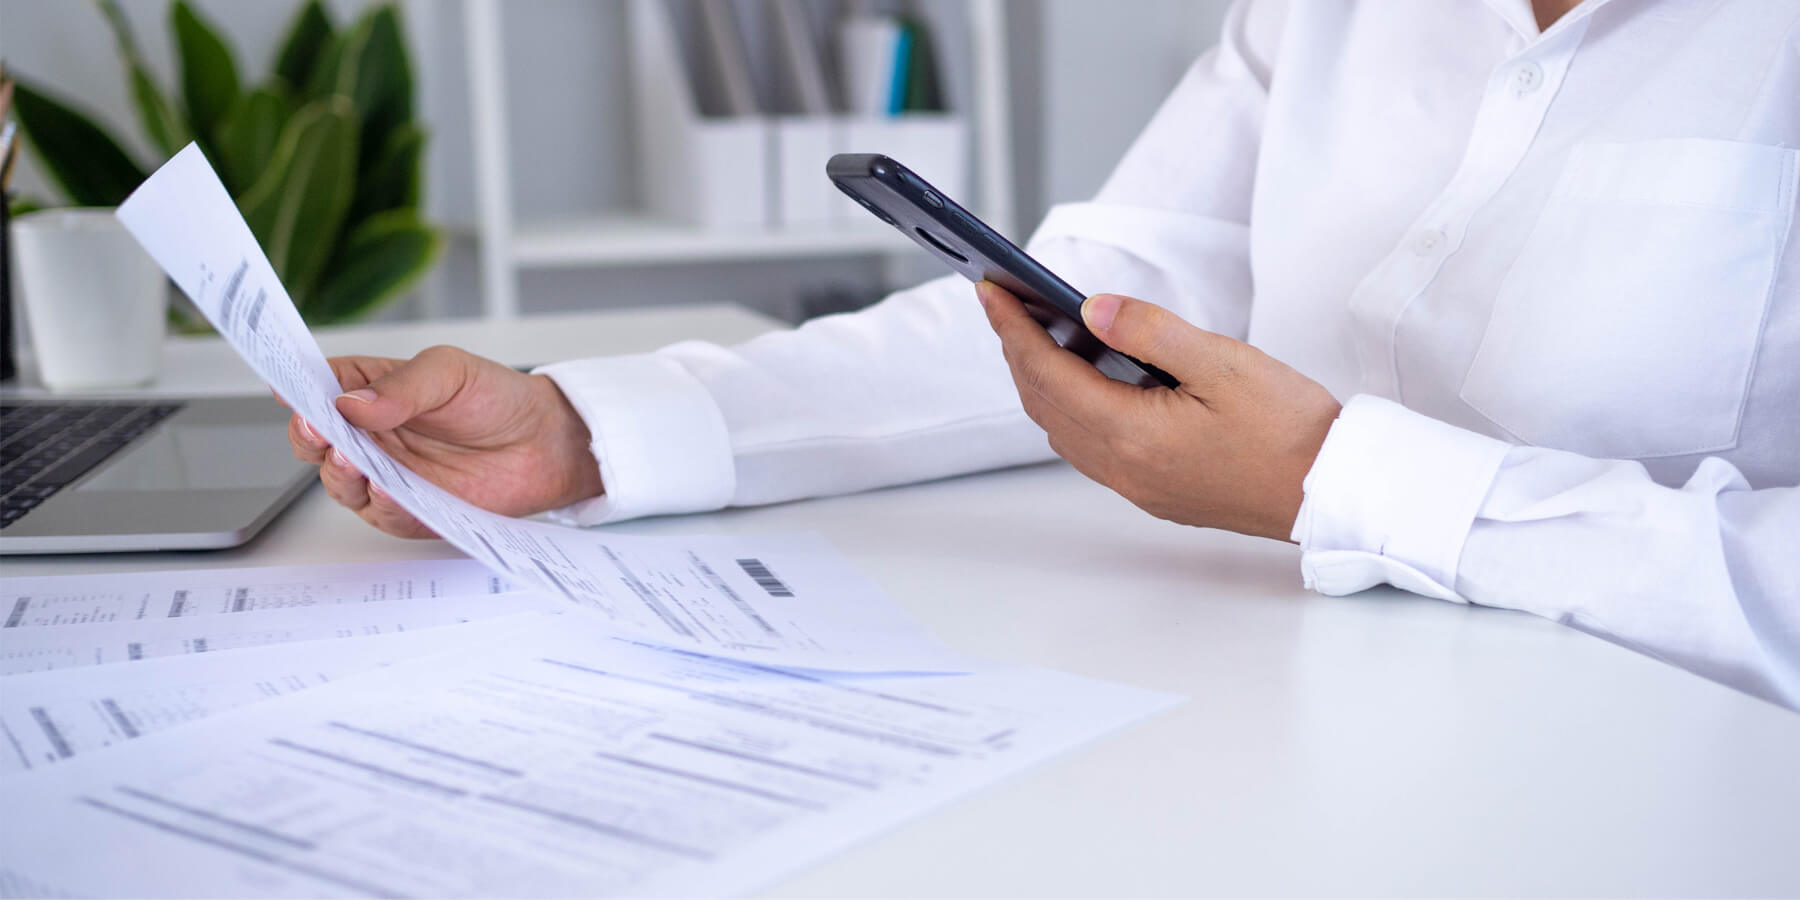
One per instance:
[(658, 434), (1390, 499)]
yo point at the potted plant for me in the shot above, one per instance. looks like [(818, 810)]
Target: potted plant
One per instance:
[(323, 156)]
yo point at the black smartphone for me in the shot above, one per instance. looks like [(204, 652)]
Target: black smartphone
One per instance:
[(902, 199)]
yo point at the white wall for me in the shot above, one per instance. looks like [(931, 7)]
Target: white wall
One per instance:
[(1092, 74), (1106, 67)]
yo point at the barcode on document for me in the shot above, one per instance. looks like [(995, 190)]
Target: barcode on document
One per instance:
[(232, 284), (256, 307), (756, 570)]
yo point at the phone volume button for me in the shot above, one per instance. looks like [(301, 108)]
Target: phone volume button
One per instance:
[(932, 199), (995, 243)]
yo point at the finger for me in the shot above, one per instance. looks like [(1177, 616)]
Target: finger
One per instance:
[(1046, 415), (1195, 356), (419, 385), (357, 371), (1087, 451), (306, 443), (1040, 366), (389, 516), (343, 482), (1066, 435)]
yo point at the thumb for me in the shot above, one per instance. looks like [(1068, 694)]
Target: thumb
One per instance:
[(1195, 356), (417, 386)]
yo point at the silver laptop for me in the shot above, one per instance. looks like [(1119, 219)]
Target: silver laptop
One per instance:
[(97, 476)]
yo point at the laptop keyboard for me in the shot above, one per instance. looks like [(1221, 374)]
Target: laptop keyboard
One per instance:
[(45, 447)]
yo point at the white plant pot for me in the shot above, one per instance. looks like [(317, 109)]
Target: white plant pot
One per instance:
[(95, 303)]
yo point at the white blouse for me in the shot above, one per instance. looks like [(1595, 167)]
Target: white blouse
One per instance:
[(1553, 277)]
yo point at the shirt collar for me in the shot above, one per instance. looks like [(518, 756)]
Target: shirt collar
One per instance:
[(1518, 14)]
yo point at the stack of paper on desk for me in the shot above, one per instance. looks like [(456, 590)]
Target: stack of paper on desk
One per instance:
[(708, 714), (544, 757), (522, 754)]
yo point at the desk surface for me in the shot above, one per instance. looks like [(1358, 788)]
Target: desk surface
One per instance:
[(1380, 743)]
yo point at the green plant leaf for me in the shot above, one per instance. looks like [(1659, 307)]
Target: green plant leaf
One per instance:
[(121, 29), (372, 68), (248, 135), (307, 40), (323, 80), (167, 130), (297, 208), (393, 180), (90, 167), (383, 257), (209, 76)]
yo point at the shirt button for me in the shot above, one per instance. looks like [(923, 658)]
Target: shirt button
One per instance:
[(1528, 77), (1428, 242)]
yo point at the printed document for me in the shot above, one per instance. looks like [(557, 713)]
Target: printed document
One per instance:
[(136, 596), (47, 717), (45, 649), (187, 222), (556, 760)]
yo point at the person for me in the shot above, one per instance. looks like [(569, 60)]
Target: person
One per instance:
[(1542, 252)]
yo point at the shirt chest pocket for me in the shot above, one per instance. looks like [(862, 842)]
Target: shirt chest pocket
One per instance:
[(1628, 326)]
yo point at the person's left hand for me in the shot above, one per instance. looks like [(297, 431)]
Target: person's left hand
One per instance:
[(1228, 449)]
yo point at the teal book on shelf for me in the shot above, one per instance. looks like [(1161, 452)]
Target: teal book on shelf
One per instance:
[(718, 150)]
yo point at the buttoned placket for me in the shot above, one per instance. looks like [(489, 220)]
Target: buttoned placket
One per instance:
[(1513, 106)]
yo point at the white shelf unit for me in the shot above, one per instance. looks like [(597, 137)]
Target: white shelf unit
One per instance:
[(628, 239), (508, 246)]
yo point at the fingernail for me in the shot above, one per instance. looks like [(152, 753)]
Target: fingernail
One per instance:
[(339, 459), (981, 297), (1099, 311), (375, 490), (360, 395), (312, 437)]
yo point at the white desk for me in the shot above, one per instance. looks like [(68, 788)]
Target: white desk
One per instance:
[(1379, 744)]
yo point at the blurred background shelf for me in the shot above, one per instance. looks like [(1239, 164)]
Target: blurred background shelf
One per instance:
[(974, 33), (625, 239)]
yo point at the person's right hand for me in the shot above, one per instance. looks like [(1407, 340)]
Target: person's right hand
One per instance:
[(503, 440)]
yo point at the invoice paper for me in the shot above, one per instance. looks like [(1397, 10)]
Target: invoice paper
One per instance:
[(135, 596), (47, 717), (46, 649), (187, 222), (561, 761), (58, 621)]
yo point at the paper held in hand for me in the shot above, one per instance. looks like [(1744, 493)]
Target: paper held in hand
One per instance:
[(797, 604)]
